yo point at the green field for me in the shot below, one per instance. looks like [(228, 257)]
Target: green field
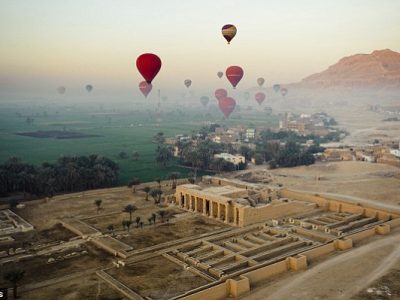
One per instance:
[(123, 129)]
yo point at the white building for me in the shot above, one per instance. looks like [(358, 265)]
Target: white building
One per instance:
[(250, 133), (395, 152), (235, 159)]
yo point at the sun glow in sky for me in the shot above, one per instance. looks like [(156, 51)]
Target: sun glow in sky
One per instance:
[(46, 42)]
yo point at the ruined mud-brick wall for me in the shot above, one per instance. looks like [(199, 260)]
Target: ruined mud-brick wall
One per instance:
[(336, 205), (251, 215)]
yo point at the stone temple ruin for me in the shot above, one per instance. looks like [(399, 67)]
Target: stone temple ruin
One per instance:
[(272, 231), (12, 223)]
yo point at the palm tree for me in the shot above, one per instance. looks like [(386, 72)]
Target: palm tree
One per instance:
[(14, 276), (133, 183), (174, 176), (124, 224), (141, 224), (137, 221), (153, 216), (130, 209), (150, 220), (163, 155), (98, 202), (156, 194), (158, 180), (162, 214), (147, 190), (159, 138), (128, 224), (110, 228)]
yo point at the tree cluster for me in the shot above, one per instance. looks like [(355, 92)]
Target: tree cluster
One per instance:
[(67, 174)]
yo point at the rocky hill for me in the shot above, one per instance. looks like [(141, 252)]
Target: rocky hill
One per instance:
[(380, 69)]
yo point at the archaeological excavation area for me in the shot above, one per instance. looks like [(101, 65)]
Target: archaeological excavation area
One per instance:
[(219, 238), (307, 229)]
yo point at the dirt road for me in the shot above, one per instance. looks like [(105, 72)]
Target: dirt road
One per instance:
[(340, 277)]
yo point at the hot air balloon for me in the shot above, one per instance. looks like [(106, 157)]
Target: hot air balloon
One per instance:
[(284, 91), (229, 32), (220, 74), (260, 81), (221, 93), (234, 75), (148, 65), (187, 83), (226, 105), (204, 100), (246, 96), (260, 97), (61, 90), (89, 87), (145, 88), (276, 87)]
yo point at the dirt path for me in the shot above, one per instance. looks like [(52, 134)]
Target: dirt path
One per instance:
[(339, 277)]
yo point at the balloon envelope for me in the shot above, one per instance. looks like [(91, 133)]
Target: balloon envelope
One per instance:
[(204, 100), (260, 81), (89, 87), (221, 93), (187, 83), (229, 32), (61, 90), (284, 91), (234, 75), (148, 65), (145, 88), (226, 105), (276, 87), (220, 74), (260, 97)]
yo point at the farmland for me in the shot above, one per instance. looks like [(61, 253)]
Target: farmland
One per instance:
[(109, 131)]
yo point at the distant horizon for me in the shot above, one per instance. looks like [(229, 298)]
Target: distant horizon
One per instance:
[(46, 44)]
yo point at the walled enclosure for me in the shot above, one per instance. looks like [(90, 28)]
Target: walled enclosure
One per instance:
[(292, 229)]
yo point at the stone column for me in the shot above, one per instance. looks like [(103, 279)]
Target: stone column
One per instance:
[(234, 215), (190, 203), (218, 211), (211, 209), (196, 205), (204, 206), (226, 213)]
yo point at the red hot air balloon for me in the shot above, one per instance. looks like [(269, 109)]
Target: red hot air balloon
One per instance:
[(227, 105), (148, 65), (234, 75), (220, 74), (145, 88), (221, 93), (260, 97)]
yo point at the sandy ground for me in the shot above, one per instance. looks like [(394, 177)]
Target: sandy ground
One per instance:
[(339, 277), (378, 182), (84, 287), (361, 179), (157, 278)]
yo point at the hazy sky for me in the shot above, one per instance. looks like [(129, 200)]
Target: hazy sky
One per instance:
[(45, 43)]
